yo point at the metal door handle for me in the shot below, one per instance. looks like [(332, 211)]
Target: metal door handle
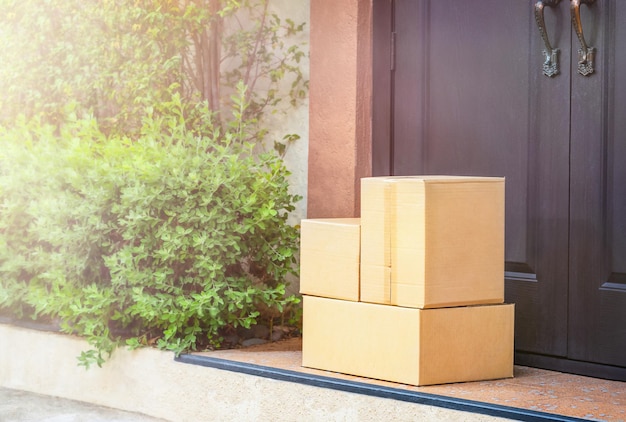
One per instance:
[(586, 54), (551, 55)]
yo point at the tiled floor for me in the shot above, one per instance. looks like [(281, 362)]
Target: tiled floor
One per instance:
[(531, 388)]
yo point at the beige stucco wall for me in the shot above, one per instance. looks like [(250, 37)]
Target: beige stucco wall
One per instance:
[(340, 106), (334, 124)]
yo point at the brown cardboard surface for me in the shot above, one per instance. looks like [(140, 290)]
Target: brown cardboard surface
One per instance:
[(375, 284), (376, 213), (330, 257), (408, 345), (445, 237)]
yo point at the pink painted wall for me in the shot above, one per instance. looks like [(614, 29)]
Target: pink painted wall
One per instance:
[(339, 106)]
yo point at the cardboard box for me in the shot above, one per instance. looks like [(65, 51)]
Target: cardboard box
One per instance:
[(330, 257), (408, 345), (442, 237)]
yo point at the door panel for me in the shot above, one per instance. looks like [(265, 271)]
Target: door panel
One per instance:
[(467, 96), (598, 198), (473, 101)]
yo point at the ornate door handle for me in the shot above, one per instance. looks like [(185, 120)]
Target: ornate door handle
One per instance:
[(586, 54), (551, 55)]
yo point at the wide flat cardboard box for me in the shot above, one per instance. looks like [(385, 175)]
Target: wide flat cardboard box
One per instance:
[(330, 257), (408, 345), (441, 237)]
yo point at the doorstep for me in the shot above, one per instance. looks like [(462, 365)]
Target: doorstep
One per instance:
[(267, 383), (151, 382), (533, 394)]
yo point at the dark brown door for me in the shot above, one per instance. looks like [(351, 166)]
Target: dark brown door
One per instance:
[(464, 93)]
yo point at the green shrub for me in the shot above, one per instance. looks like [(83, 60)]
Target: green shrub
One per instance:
[(114, 58), (172, 237)]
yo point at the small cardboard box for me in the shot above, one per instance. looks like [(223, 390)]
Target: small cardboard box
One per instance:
[(441, 237), (408, 345), (330, 257)]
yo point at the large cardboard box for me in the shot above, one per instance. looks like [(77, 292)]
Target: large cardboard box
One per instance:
[(432, 241), (330, 257), (408, 345)]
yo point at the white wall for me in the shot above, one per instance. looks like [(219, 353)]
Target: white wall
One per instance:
[(297, 120)]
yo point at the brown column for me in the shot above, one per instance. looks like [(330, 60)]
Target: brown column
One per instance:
[(340, 106)]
